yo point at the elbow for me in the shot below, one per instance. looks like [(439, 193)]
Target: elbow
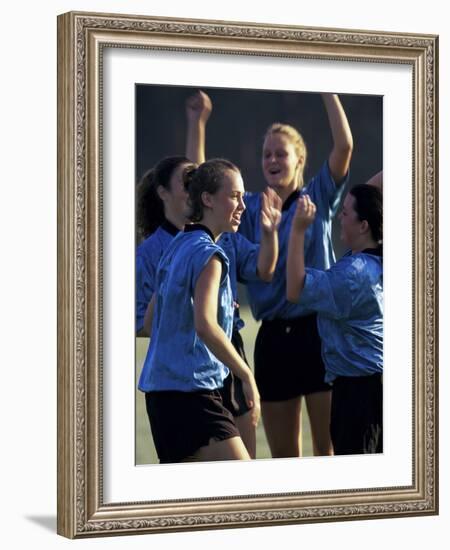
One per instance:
[(266, 276), (345, 149)]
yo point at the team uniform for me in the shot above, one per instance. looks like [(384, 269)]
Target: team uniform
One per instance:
[(285, 326), (148, 254), (181, 381), (243, 258), (348, 299)]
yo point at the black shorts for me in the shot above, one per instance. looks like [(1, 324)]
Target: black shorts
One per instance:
[(232, 393), (182, 422), (357, 415), (288, 359)]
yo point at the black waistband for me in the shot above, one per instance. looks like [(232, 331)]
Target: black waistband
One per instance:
[(289, 322)]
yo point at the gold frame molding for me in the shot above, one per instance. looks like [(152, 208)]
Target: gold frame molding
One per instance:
[(81, 39)]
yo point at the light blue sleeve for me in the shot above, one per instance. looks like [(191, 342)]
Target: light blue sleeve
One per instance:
[(200, 256), (246, 259), (145, 286), (330, 293), (248, 219), (324, 192)]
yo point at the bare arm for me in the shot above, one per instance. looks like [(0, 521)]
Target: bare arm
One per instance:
[(341, 154), (295, 276), (208, 329), (270, 220), (148, 318), (377, 180), (198, 109)]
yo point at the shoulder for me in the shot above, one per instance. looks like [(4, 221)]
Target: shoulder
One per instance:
[(195, 243), (362, 266), (235, 240), (323, 175), (350, 266), (149, 246), (197, 252)]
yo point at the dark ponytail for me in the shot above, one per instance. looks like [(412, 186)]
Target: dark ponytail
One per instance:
[(149, 206), (369, 206)]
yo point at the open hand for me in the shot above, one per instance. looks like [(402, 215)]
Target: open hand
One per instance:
[(270, 210), (304, 213)]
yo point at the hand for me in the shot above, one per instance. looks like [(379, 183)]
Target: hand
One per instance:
[(304, 214), (270, 210), (252, 398), (198, 107)]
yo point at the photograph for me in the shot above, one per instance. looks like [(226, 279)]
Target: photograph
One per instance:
[(234, 222), (238, 345), (319, 145)]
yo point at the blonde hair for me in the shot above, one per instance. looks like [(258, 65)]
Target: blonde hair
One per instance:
[(297, 141)]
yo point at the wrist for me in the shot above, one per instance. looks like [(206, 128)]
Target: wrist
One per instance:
[(246, 374), (268, 232), (299, 231)]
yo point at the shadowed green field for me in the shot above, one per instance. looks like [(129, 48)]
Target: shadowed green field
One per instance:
[(145, 451)]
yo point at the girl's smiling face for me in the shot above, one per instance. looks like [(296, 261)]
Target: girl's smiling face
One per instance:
[(227, 203), (280, 161)]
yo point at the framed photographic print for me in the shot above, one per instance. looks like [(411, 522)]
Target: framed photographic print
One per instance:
[(111, 68)]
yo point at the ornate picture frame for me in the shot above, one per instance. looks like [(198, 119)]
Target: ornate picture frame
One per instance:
[(82, 40)]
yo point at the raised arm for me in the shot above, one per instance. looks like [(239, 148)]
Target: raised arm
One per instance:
[(341, 154), (208, 329), (270, 220), (295, 276), (198, 109)]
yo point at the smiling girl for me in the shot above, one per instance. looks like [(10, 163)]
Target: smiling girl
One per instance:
[(282, 380), (194, 305)]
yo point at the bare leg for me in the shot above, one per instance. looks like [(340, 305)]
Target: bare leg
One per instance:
[(282, 424), (247, 431), (228, 449), (319, 409)]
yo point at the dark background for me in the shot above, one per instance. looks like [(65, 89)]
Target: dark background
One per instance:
[(239, 119)]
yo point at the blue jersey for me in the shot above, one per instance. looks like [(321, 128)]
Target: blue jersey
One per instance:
[(268, 300), (177, 359), (148, 254), (242, 255), (348, 299)]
